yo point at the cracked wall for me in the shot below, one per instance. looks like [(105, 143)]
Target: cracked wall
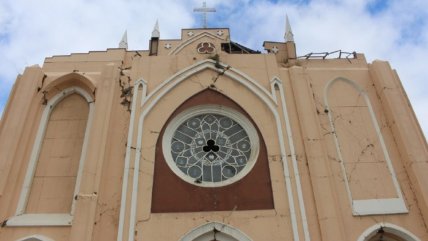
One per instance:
[(56, 171), (363, 158), (327, 205)]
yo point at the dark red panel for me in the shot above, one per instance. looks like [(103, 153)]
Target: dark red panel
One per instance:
[(171, 194)]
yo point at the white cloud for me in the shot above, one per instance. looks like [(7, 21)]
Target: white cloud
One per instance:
[(397, 31)]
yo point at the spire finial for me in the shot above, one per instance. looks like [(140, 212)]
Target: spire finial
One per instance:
[(124, 42), (289, 36), (156, 32)]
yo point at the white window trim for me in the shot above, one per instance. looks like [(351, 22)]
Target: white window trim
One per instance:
[(204, 233), (277, 85), (211, 109), (56, 219), (389, 228)]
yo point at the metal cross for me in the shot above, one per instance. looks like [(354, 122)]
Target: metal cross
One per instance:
[(204, 10)]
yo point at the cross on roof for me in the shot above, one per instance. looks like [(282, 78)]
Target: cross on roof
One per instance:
[(204, 10)]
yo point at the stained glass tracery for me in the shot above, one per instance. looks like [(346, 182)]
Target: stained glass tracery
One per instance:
[(210, 147)]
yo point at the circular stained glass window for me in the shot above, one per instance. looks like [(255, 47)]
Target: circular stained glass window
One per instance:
[(210, 146)]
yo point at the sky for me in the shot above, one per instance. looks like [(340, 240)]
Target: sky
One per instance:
[(393, 30)]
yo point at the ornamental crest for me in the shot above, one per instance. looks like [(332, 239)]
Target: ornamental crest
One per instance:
[(205, 48)]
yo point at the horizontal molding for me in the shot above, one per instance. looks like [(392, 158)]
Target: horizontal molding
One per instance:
[(40, 220), (378, 206)]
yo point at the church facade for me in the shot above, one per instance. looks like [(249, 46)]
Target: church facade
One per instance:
[(201, 138)]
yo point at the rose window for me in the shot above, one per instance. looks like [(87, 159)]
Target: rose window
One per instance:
[(211, 147)]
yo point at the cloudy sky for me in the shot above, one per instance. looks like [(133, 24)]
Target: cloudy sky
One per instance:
[(393, 30)]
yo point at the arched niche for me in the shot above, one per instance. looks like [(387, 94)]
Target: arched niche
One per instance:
[(71, 79), (215, 231), (149, 101), (55, 173), (370, 178), (65, 113), (387, 232)]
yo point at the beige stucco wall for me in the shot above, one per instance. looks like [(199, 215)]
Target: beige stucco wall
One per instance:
[(316, 183)]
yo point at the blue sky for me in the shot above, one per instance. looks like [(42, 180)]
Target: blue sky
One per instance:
[(377, 6), (391, 30)]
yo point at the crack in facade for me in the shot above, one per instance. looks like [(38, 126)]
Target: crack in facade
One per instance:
[(86, 153)]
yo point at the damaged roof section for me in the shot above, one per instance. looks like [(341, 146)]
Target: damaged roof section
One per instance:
[(235, 48)]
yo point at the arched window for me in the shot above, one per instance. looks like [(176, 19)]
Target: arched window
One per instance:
[(53, 174), (381, 235), (35, 238), (215, 232), (387, 232)]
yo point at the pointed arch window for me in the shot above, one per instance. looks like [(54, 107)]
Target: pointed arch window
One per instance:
[(54, 170), (381, 235), (215, 231), (387, 232), (35, 238)]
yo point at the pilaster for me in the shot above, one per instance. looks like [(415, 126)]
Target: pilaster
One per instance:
[(321, 175), (407, 133), (86, 204), (12, 126)]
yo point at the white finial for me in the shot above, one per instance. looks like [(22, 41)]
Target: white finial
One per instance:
[(124, 42), (204, 10), (289, 36), (156, 32)]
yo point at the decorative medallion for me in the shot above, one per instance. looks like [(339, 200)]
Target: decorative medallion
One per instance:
[(220, 32), (211, 146), (205, 48), (190, 33), (168, 46), (275, 49)]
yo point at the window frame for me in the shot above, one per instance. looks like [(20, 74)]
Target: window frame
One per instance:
[(236, 116), (215, 229)]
